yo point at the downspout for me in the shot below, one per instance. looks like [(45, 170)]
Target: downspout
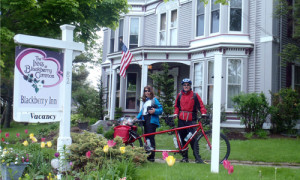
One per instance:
[(254, 53)]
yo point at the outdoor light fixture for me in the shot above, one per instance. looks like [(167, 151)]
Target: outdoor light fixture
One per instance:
[(150, 67)]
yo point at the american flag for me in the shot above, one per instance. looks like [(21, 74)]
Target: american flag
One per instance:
[(125, 61)]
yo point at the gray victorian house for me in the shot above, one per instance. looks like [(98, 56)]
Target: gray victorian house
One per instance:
[(189, 35)]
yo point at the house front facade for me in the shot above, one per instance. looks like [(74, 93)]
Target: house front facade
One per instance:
[(189, 36)]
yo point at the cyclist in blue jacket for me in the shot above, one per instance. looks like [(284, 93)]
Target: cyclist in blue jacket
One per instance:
[(151, 109)]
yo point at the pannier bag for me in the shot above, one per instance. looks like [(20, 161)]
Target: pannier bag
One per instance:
[(122, 131)]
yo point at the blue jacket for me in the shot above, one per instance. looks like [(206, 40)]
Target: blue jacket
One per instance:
[(155, 116)]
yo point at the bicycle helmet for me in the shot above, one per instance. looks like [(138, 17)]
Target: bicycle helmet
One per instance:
[(186, 80)]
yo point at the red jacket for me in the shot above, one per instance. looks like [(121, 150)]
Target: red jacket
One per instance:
[(187, 106)]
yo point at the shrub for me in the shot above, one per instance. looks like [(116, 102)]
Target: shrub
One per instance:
[(100, 129), (285, 110), (253, 109), (261, 133), (109, 134), (82, 143)]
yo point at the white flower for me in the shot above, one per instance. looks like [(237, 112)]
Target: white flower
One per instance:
[(40, 86), (16, 162)]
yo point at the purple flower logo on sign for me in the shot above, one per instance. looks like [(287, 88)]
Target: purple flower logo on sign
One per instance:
[(38, 69)]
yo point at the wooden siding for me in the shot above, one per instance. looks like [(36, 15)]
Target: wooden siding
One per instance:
[(185, 17), (150, 33)]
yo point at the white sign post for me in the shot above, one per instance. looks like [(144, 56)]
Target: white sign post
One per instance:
[(71, 50), (216, 113)]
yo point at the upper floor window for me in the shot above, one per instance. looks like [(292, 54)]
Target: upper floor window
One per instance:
[(112, 41), (215, 16), (173, 28), (121, 24), (198, 78), (234, 80), (200, 18), (134, 33), (162, 29), (235, 23)]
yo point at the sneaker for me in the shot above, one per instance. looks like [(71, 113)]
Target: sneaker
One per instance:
[(184, 160), (198, 161), (151, 160)]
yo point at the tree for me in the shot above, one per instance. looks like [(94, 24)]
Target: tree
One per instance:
[(43, 18), (165, 87)]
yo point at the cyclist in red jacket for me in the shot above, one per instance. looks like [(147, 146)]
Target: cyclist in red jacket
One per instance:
[(186, 106)]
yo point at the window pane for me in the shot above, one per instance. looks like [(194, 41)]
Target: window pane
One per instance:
[(236, 3), (112, 34), (131, 91), (163, 22), (174, 18), (200, 7), (234, 71), (198, 78), (210, 72), (134, 26), (215, 6), (210, 95), (235, 19), (233, 90), (200, 25), (121, 34), (162, 37), (215, 15), (297, 79), (173, 36)]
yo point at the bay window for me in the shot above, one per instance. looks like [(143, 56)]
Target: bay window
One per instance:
[(234, 77)]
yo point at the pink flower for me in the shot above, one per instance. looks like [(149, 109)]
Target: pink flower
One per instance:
[(56, 154), (165, 155), (124, 178), (18, 134), (7, 135), (27, 160), (230, 170), (71, 163), (26, 131), (88, 154), (2, 139), (226, 164), (111, 143), (43, 139), (0, 131)]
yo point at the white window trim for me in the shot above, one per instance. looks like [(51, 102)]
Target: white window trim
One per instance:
[(207, 76), (242, 22), (136, 92), (220, 13), (242, 72), (139, 32), (202, 85), (205, 23)]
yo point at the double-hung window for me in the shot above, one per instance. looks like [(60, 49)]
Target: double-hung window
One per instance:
[(198, 78), (118, 91), (131, 91), (162, 29), (134, 33), (112, 41), (235, 22), (215, 17), (173, 28), (234, 77), (296, 78), (121, 24), (210, 82), (200, 18)]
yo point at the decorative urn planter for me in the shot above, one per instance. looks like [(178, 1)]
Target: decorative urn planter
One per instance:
[(13, 171)]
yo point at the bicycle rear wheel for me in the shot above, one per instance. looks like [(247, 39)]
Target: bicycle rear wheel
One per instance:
[(133, 135), (204, 151)]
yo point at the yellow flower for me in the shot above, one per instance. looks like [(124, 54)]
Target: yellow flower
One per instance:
[(122, 149), (49, 174), (105, 148), (170, 160), (49, 143), (3, 160), (34, 139), (42, 144), (25, 143), (31, 135)]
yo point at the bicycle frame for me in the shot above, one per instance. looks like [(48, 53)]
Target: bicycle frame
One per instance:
[(180, 148)]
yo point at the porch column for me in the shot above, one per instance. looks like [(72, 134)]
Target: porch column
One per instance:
[(143, 80), (113, 94), (216, 113)]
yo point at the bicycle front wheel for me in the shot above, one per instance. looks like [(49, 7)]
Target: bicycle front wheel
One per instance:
[(202, 151)]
